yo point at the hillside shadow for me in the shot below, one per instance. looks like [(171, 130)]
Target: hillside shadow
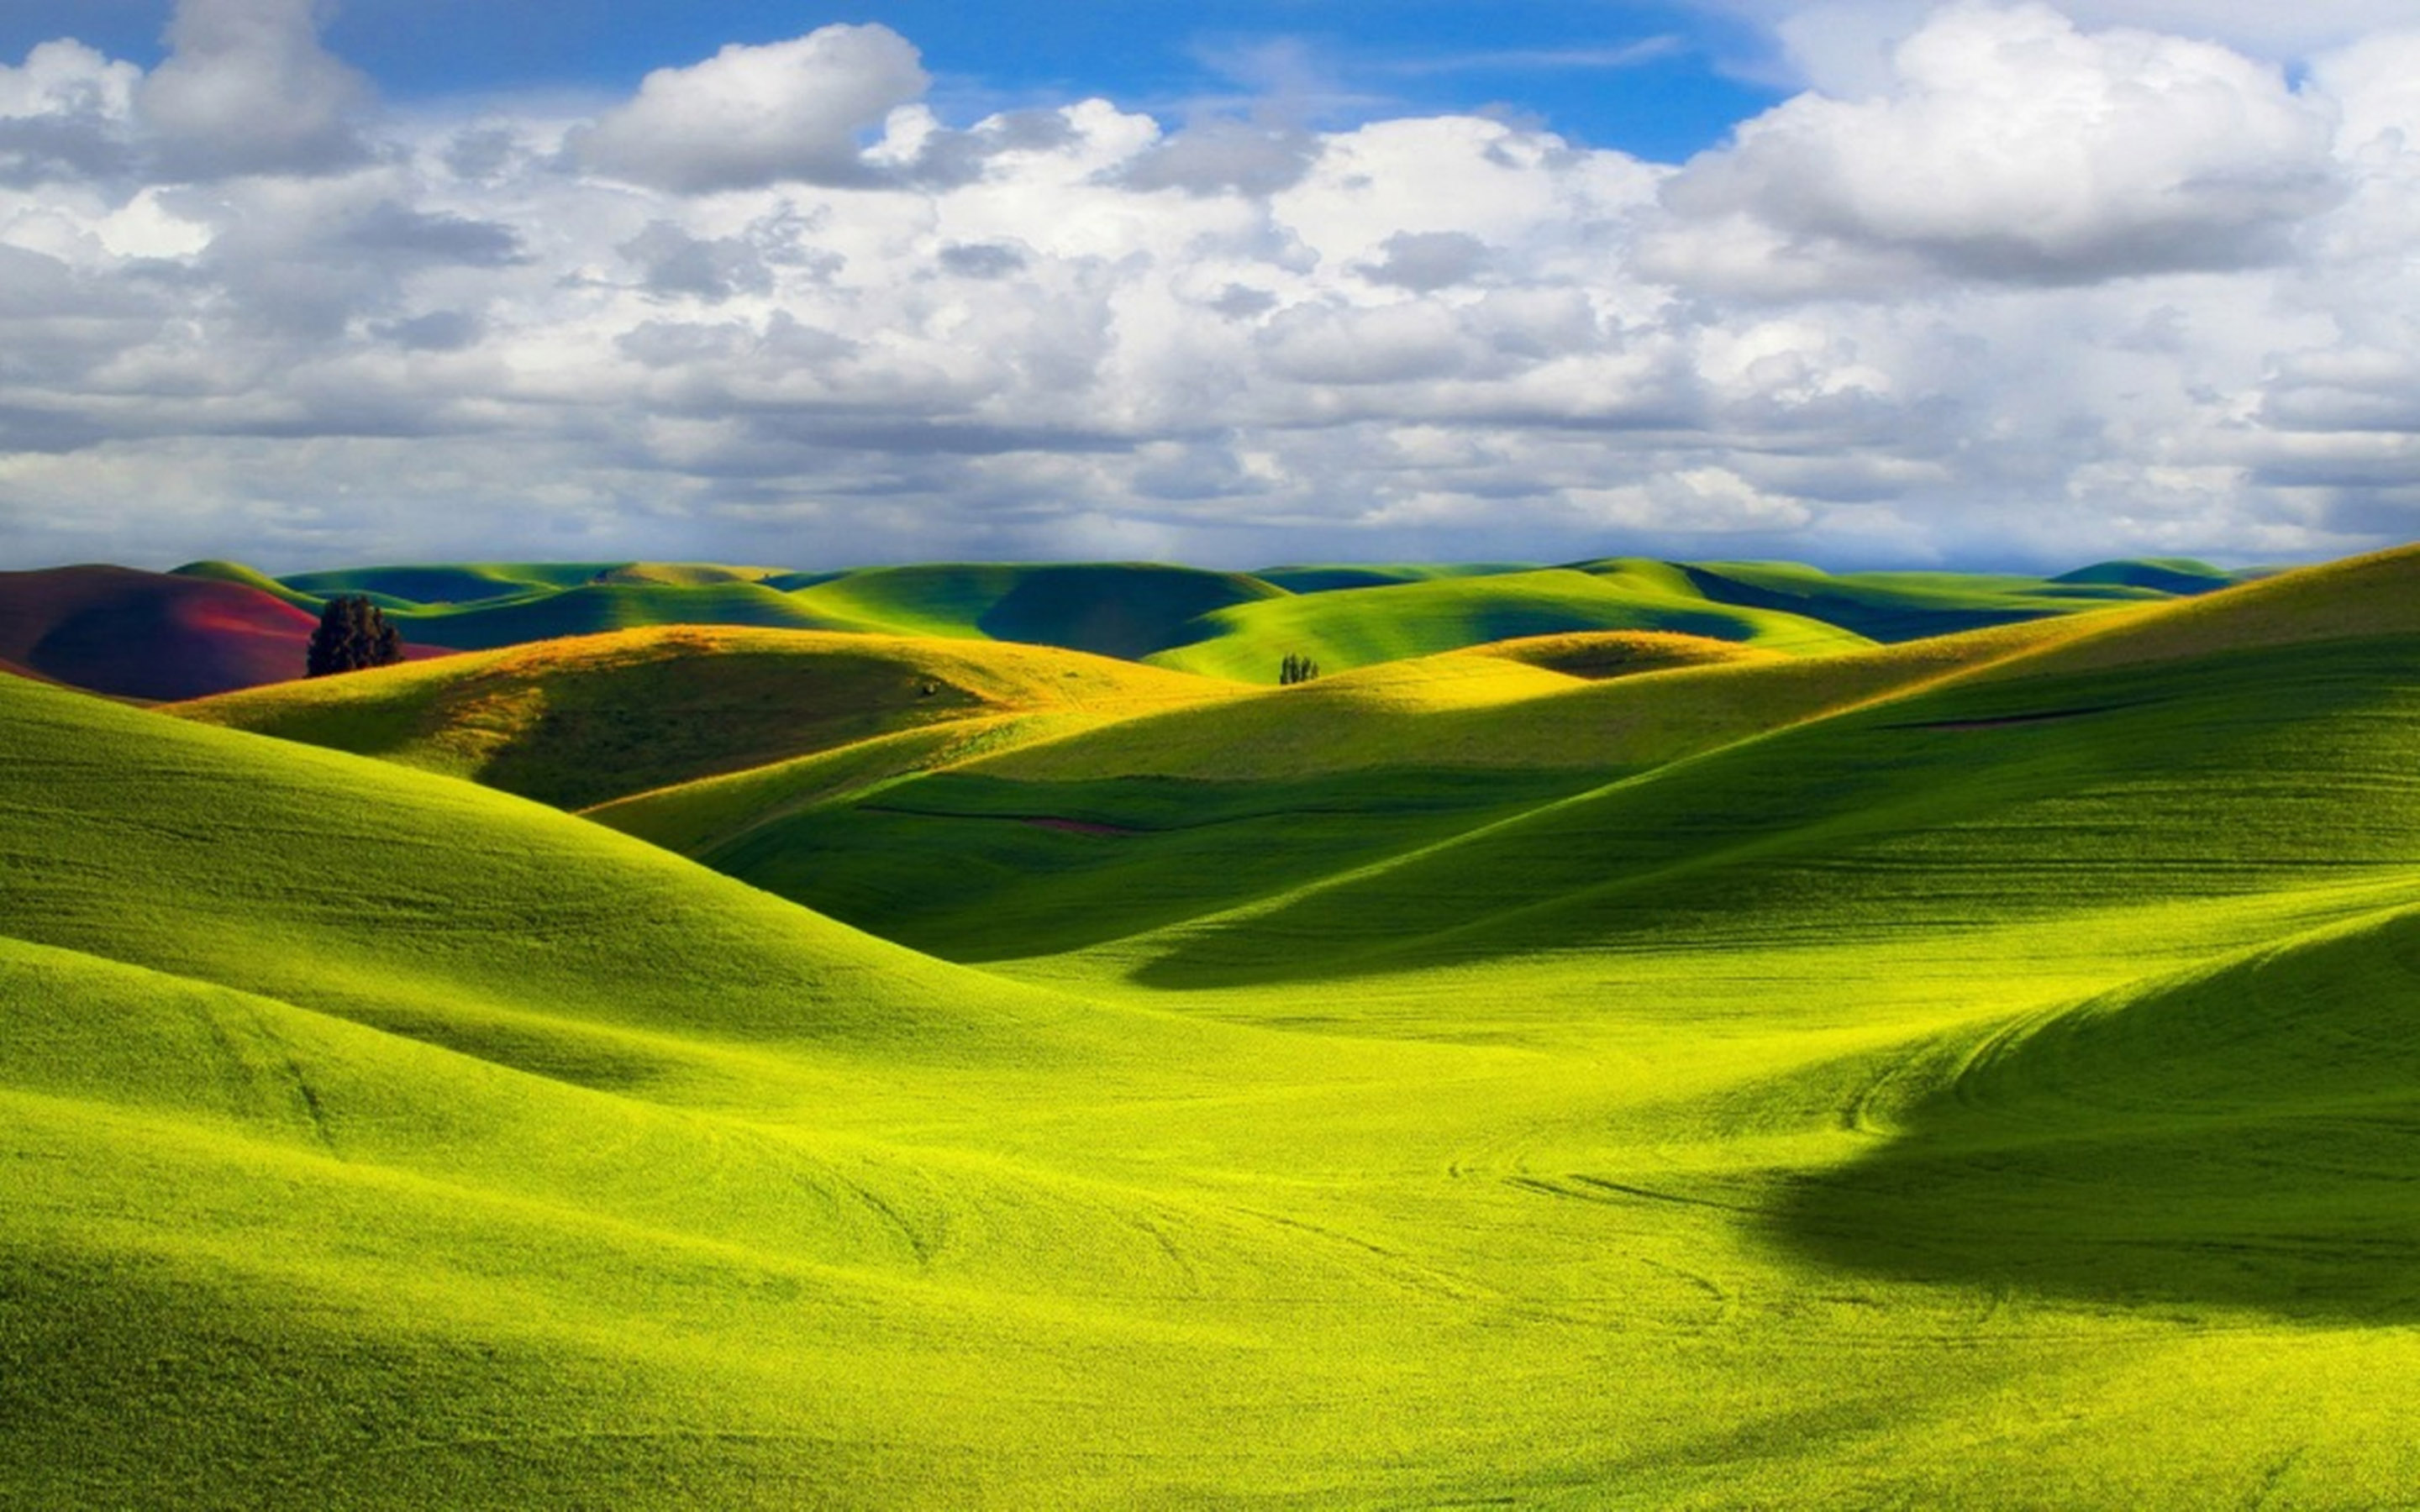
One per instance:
[(2244, 1140), (2302, 1217)]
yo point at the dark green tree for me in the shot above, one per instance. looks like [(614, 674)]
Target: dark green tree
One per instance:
[(353, 633), (1297, 669)]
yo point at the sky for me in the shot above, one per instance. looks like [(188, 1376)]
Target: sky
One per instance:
[(1866, 283)]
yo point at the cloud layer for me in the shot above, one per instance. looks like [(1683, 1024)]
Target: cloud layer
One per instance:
[(2030, 289)]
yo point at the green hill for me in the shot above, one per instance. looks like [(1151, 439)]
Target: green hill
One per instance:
[(1323, 578), (582, 721), (1112, 609), (1349, 627), (1908, 606), (594, 609), (2181, 576)]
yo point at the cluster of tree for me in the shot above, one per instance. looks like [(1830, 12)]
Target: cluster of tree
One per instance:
[(1297, 669), (353, 633)]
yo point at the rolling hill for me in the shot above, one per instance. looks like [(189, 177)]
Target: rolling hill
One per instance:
[(1614, 1069), (1348, 627), (581, 720)]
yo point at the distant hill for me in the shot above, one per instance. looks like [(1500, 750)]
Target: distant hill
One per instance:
[(1346, 627), (148, 635), (1128, 610), (2181, 576), (1240, 626)]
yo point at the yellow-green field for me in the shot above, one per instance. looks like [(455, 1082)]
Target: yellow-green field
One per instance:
[(1606, 1071)]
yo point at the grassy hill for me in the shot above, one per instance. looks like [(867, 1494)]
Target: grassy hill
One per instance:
[(1349, 627), (582, 721), (1972, 1072), (1907, 606), (1114, 609)]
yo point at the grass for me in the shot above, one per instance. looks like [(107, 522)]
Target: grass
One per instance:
[(583, 720), (1112, 609), (1349, 627), (1975, 1071)]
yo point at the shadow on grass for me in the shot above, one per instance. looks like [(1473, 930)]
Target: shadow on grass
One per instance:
[(2249, 1138)]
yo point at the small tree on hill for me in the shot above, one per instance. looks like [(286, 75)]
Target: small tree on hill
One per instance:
[(1297, 669), (353, 634)]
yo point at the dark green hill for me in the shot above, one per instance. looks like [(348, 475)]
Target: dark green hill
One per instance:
[(1892, 607), (2180, 576), (1125, 609)]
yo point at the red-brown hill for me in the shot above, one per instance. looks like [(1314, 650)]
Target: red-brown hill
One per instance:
[(150, 635)]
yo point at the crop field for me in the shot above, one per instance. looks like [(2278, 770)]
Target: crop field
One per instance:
[(1627, 1035)]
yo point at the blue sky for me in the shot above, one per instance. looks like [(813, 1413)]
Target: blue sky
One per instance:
[(1970, 282), (1659, 81)]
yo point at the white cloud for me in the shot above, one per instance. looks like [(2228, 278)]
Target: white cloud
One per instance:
[(2009, 146), (248, 89), (755, 115)]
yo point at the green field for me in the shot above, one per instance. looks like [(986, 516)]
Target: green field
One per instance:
[(1700, 1058)]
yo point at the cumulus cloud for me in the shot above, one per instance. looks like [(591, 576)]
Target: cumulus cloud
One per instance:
[(248, 89), (749, 116), (2040, 286), (1426, 262), (66, 115), (1221, 157), (2009, 146)]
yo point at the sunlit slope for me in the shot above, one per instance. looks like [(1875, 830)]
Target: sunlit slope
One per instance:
[(582, 721), (330, 883), (593, 608), (1619, 653), (1112, 609), (1353, 627), (2258, 742), (1039, 839), (242, 575), (378, 1140), (459, 583)]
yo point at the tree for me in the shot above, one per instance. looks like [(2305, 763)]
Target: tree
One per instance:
[(353, 634), (1297, 669)]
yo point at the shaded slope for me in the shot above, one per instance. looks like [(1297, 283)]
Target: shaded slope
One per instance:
[(448, 582), (1908, 606), (1125, 609), (148, 635), (2240, 1135), (1328, 577), (1354, 627), (578, 721), (2180, 576)]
